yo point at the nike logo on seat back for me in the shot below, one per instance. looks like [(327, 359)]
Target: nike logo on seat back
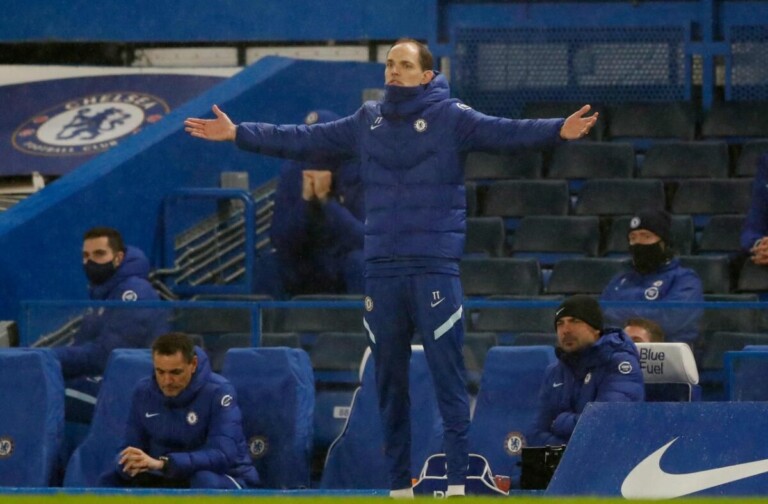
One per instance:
[(649, 481)]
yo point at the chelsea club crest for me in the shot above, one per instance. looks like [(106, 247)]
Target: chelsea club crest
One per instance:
[(88, 125)]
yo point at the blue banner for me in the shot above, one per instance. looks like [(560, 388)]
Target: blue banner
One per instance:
[(54, 126), (666, 450)]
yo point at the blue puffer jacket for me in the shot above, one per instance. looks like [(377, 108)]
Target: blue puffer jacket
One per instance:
[(756, 223), (608, 371), (671, 282), (199, 430), (412, 147), (102, 330)]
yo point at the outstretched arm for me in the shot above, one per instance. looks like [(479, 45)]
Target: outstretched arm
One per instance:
[(576, 125), (220, 129)]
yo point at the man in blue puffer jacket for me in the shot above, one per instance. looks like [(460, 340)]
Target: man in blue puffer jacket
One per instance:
[(115, 272), (412, 146), (317, 227), (594, 365), (656, 276), (184, 429)]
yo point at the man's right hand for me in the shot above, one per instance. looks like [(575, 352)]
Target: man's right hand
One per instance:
[(219, 129), (760, 252)]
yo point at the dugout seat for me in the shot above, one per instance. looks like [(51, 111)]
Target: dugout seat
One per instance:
[(669, 372), (506, 405), (32, 419), (125, 368), (356, 459), (276, 394)]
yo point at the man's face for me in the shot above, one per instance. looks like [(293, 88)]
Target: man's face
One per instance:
[(638, 334), (643, 237), (403, 67), (173, 373), (98, 250), (574, 335)]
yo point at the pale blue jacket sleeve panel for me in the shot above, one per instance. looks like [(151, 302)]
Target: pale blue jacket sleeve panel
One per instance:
[(756, 223)]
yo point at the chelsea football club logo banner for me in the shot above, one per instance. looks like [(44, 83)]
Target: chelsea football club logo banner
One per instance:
[(56, 125), (666, 450)]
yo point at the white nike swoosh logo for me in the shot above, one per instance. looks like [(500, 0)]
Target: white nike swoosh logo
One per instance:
[(555, 385), (150, 415), (374, 126), (649, 481), (437, 302)]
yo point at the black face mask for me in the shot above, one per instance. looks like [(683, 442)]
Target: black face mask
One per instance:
[(648, 258), (99, 273)]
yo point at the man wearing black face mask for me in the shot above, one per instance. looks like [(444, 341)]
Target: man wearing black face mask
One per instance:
[(656, 275), (115, 272)]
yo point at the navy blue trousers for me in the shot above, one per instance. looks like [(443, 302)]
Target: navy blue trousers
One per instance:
[(396, 309)]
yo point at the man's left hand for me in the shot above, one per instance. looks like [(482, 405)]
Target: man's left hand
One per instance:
[(135, 461), (577, 126)]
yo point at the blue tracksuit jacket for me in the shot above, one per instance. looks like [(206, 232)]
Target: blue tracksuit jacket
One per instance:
[(103, 330), (608, 371), (198, 430), (412, 147), (671, 282), (756, 223)]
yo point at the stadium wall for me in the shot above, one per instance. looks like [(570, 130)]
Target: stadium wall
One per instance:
[(41, 237)]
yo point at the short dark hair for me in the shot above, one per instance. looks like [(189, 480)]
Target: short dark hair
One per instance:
[(113, 236), (426, 60), (654, 330), (173, 343)]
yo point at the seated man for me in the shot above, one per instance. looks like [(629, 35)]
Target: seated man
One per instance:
[(317, 228), (642, 330), (755, 231), (185, 428), (115, 272), (594, 364), (656, 275)]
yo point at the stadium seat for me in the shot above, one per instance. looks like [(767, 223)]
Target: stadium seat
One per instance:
[(721, 235), (315, 320), (524, 315), (32, 421), (489, 166), (533, 338), (506, 405), (355, 459), (746, 164), (584, 276), (752, 278), (677, 160), (276, 394), (486, 237), (669, 372), (606, 197), (475, 349), (642, 123), (713, 270), (519, 198), (703, 198), (550, 239), (617, 242), (736, 121), (577, 161), (125, 368), (720, 342), (500, 275), (336, 356)]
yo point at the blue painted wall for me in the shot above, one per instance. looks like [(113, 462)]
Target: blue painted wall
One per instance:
[(222, 20), (41, 237)]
